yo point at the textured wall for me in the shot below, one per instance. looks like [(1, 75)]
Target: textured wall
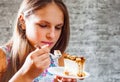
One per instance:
[(8, 11), (95, 34)]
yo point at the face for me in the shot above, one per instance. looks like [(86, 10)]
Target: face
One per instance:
[(44, 26)]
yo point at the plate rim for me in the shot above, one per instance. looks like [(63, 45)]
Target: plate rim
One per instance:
[(65, 76)]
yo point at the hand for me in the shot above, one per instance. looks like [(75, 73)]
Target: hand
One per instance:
[(36, 62), (61, 79)]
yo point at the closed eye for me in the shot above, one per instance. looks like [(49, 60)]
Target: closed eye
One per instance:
[(43, 25), (59, 27)]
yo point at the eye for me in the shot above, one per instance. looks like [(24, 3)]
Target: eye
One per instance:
[(43, 25), (59, 27)]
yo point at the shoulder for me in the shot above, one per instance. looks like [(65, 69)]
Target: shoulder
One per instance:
[(3, 62), (2, 53)]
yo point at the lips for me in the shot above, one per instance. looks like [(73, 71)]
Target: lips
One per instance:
[(47, 43)]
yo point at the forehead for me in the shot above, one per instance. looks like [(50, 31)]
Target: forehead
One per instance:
[(50, 12)]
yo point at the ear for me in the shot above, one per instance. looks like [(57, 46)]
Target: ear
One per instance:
[(22, 21)]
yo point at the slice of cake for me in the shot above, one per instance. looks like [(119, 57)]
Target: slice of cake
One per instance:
[(74, 65)]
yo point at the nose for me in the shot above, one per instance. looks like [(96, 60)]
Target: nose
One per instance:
[(51, 33)]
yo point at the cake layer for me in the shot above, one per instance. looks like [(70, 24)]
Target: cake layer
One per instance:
[(71, 67), (74, 65)]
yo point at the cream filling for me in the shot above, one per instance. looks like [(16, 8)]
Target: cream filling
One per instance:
[(71, 67)]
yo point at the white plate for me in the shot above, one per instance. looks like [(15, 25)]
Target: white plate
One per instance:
[(60, 72)]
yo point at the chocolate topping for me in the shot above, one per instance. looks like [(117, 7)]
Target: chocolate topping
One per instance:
[(75, 58)]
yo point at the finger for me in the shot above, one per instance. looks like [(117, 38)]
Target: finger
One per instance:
[(38, 46), (55, 79), (61, 79), (74, 80), (43, 50), (58, 77), (42, 64), (66, 80), (44, 46), (42, 58), (46, 63), (39, 52), (41, 47)]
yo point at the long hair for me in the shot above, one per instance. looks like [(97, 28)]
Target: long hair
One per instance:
[(21, 46)]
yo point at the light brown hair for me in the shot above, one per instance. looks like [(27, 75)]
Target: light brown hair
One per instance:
[(21, 46)]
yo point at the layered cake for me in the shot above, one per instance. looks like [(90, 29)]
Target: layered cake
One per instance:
[(74, 65)]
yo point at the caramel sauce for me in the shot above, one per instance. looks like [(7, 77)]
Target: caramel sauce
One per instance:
[(66, 73)]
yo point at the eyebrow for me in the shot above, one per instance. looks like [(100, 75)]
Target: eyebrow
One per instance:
[(49, 23), (43, 21)]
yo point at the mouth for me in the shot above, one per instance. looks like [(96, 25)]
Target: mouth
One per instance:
[(47, 43)]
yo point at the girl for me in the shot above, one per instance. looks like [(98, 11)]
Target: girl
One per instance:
[(39, 22)]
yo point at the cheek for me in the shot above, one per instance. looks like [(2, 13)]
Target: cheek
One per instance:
[(58, 35), (31, 35)]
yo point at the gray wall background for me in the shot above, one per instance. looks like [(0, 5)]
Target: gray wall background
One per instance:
[(95, 34)]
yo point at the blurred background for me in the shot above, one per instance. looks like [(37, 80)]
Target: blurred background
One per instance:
[(95, 34)]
